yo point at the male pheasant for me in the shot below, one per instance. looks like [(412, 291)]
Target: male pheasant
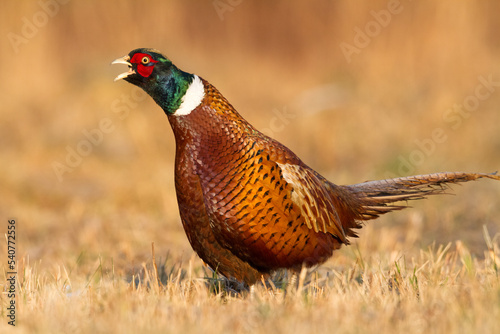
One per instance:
[(248, 204)]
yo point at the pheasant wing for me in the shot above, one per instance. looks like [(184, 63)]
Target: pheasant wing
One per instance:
[(269, 208)]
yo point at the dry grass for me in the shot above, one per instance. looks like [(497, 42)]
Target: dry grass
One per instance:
[(442, 290), (84, 241)]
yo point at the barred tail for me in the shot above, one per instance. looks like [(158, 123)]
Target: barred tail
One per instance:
[(376, 197)]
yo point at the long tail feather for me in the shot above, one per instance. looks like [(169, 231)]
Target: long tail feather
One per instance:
[(376, 196)]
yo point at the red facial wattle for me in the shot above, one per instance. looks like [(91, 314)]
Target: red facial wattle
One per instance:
[(144, 69)]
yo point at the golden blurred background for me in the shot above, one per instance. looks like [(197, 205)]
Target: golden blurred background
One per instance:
[(358, 89)]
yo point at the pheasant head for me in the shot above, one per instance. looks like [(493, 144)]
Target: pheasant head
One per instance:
[(162, 80)]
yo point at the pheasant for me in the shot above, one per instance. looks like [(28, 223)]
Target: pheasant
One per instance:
[(247, 203)]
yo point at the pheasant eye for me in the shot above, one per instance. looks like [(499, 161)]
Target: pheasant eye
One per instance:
[(145, 60)]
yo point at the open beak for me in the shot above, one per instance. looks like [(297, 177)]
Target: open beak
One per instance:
[(123, 60)]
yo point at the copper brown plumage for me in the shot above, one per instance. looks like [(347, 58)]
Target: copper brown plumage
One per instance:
[(248, 204)]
